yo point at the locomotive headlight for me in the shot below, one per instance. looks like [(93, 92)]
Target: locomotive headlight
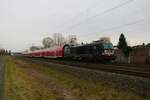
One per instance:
[(108, 52), (105, 51)]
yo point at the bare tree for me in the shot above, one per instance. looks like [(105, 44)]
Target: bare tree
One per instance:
[(58, 39), (48, 42), (72, 40)]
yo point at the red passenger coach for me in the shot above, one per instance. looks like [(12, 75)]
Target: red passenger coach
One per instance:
[(52, 52)]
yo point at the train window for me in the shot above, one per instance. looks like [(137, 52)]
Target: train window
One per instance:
[(108, 46)]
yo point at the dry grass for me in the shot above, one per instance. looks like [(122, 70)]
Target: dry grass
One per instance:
[(20, 86), (34, 81)]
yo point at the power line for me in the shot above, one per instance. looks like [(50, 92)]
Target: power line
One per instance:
[(137, 11), (145, 8), (75, 17), (106, 11), (134, 29), (128, 24), (118, 27)]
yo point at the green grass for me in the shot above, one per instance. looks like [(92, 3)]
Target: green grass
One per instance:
[(88, 90), (19, 86), (26, 80)]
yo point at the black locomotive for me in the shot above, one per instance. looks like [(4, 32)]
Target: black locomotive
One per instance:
[(102, 51)]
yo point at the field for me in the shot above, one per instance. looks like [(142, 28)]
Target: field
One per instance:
[(28, 80)]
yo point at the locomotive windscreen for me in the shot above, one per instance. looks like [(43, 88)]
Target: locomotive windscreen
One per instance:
[(108, 46)]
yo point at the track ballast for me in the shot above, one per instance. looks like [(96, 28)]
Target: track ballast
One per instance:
[(134, 70)]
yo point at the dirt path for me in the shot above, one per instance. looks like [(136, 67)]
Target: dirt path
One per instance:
[(1, 78)]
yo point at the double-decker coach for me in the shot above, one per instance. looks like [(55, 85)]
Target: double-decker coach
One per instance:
[(52, 52)]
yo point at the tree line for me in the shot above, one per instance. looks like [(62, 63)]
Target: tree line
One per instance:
[(5, 52), (56, 40)]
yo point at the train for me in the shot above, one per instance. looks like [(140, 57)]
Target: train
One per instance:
[(100, 51)]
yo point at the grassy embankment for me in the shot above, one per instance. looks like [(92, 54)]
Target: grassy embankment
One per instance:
[(20, 86), (29, 81)]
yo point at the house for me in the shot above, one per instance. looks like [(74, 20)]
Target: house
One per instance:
[(140, 54)]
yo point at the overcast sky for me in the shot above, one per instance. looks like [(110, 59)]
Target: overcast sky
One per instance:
[(26, 22)]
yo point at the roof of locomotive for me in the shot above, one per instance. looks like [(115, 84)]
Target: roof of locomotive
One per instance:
[(90, 44)]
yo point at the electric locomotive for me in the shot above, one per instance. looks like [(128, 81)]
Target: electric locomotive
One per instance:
[(102, 51)]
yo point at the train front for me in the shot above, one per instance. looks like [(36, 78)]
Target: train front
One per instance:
[(108, 52)]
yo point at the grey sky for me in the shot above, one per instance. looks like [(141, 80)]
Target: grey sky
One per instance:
[(23, 22)]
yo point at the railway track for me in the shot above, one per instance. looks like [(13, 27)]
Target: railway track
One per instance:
[(143, 71)]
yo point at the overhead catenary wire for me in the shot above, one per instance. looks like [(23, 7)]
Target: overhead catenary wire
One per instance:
[(75, 17), (135, 12), (120, 26), (101, 13), (127, 24)]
